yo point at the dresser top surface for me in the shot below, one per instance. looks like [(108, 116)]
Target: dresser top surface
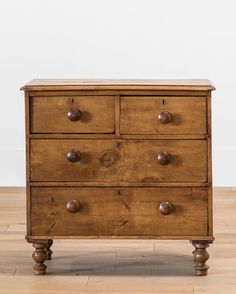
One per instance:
[(118, 84)]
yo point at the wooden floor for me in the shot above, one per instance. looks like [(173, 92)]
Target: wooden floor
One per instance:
[(116, 266)]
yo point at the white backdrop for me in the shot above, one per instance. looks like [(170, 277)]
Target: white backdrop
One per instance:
[(117, 39)]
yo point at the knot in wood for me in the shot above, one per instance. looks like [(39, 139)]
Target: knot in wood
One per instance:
[(109, 158)]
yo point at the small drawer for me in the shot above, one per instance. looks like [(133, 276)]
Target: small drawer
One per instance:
[(82, 211), (129, 161), (163, 115), (72, 114)]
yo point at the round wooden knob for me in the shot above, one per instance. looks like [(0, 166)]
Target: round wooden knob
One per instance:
[(73, 206), (165, 208), (73, 155), (164, 117), (164, 158), (74, 114)]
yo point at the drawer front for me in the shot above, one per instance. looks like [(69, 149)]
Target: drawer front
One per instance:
[(163, 115), (127, 212), (120, 161), (80, 114)]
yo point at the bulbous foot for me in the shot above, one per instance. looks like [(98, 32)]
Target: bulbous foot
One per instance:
[(200, 257), (39, 256)]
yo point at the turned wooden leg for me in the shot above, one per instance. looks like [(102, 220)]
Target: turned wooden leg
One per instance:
[(200, 257), (48, 250), (39, 256)]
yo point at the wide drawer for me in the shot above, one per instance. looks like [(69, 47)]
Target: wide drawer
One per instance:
[(72, 114), (120, 161), (125, 212), (163, 115)]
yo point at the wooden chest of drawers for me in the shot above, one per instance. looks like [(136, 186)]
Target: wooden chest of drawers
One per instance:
[(119, 159)]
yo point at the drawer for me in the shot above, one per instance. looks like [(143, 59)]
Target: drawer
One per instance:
[(127, 212), (120, 161), (80, 114), (163, 115)]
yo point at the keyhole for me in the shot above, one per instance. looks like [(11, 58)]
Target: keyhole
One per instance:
[(71, 100)]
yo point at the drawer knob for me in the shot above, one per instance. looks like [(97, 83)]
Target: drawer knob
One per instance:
[(73, 206), (73, 155), (164, 117), (74, 114), (165, 208), (164, 158)]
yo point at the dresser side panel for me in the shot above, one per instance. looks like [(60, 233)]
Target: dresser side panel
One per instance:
[(209, 172), (27, 145)]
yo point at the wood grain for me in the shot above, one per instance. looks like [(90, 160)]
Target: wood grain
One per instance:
[(116, 184), (114, 136), (117, 116), (119, 160), (27, 156), (94, 84), (118, 212), (209, 168), (139, 115), (49, 115), (126, 92)]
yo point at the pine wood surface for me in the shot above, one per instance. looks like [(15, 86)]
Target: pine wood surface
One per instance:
[(139, 115), (96, 84), (132, 161), (115, 136), (49, 115), (123, 212), (116, 266), (126, 92)]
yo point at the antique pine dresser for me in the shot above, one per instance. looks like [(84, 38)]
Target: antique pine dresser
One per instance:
[(119, 159)]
